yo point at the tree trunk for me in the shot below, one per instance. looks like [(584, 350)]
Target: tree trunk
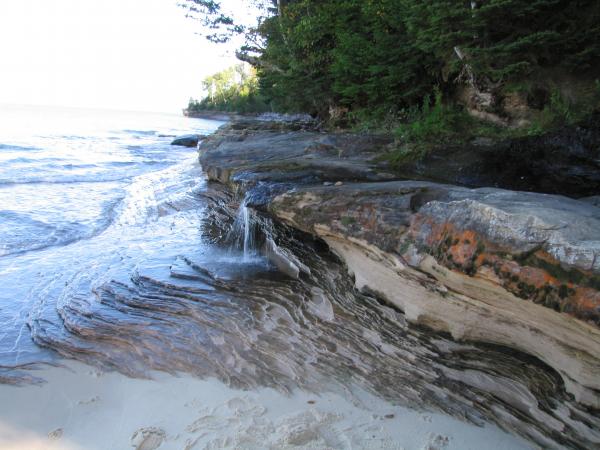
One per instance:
[(256, 61)]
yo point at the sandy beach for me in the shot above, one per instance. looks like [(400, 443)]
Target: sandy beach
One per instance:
[(82, 408)]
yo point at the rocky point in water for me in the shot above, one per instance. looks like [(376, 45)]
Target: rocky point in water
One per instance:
[(519, 271), (187, 140)]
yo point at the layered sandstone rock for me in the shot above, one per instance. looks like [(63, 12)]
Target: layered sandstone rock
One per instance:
[(502, 267), (517, 269)]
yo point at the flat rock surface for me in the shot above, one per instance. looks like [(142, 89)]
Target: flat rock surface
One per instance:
[(268, 154), (520, 221)]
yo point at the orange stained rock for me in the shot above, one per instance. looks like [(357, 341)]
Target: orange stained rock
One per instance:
[(368, 216), (536, 277), (463, 251), (460, 249), (481, 259), (545, 256), (586, 299), (487, 273)]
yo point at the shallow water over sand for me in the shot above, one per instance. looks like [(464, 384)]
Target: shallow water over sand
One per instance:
[(126, 263)]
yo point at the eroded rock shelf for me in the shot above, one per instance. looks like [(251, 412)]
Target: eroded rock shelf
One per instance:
[(518, 270)]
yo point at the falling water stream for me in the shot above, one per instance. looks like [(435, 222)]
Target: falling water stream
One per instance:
[(242, 233)]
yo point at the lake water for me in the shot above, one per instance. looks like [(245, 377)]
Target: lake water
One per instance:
[(71, 179)]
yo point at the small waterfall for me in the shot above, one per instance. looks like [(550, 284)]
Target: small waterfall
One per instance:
[(241, 235)]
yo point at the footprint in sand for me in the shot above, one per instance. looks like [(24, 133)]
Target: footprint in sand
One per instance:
[(436, 442), (55, 435), (149, 438), (89, 401)]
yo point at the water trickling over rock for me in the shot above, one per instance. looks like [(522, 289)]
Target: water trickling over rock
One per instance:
[(242, 233)]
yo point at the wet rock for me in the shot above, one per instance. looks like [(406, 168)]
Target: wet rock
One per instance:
[(249, 325), (188, 140), (188, 306)]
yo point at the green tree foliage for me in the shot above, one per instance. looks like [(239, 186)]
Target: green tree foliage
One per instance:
[(234, 89), (504, 39), (386, 56), (293, 70), (218, 26), (349, 53), (374, 64)]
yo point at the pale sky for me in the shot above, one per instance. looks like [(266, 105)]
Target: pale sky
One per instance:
[(122, 54)]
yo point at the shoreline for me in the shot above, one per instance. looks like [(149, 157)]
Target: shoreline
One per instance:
[(211, 115), (79, 406), (82, 407)]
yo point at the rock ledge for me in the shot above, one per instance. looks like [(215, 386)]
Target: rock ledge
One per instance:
[(517, 269)]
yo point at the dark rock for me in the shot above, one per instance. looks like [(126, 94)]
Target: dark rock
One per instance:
[(565, 162), (188, 140), (264, 153)]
